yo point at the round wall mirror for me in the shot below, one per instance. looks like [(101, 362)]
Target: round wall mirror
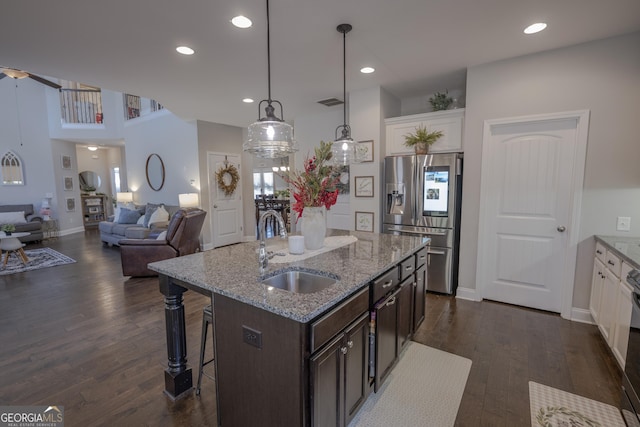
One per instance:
[(155, 172), (89, 181)]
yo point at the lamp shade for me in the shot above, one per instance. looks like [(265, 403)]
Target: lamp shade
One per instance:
[(125, 197), (270, 139), (188, 200)]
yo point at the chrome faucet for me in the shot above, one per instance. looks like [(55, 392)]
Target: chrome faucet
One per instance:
[(263, 257)]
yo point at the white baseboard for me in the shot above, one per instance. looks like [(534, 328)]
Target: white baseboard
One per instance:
[(468, 294), (71, 231), (581, 315), (207, 246)]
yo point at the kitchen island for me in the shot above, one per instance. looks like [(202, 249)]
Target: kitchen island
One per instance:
[(270, 345)]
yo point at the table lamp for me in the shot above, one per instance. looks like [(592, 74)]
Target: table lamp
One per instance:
[(45, 210), (124, 197), (188, 200)]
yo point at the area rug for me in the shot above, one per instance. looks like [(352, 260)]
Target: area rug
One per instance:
[(38, 258), (551, 407), (424, 389)]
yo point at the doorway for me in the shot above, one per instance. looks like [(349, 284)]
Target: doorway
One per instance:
[(531, 191), (226, 208)]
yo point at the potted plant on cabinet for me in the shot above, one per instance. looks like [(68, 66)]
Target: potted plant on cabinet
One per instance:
[(421, 140)]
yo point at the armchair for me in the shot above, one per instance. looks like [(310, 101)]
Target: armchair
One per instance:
[(183, 238)]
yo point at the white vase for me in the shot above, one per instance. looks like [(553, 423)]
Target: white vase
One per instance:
[(314, 227)]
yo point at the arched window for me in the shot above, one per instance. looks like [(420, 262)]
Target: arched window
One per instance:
[(11, 168)]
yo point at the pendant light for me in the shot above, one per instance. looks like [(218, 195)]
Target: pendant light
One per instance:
[(343, 148), (270, 137)]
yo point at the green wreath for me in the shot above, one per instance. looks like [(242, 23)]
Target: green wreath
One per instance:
[(230, 170)]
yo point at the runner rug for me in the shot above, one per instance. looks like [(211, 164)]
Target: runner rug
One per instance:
[(424, 389), (551, 407), (38, 258)]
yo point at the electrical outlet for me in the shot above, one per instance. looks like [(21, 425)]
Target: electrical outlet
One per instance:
[(251, 336), (624, 223)]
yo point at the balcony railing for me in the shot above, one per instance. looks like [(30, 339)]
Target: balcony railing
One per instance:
[(81, 106)]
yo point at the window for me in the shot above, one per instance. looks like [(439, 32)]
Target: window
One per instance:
[(11, 167), (262, 183)]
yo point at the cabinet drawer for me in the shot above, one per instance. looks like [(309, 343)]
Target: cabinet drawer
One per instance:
[(407, 267), (601, 252), (421, 257), (328, 326), (613, 263), (385, 283)]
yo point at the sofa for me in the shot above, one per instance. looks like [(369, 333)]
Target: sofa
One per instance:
[(32, 224), (181, 238), (112, 231)]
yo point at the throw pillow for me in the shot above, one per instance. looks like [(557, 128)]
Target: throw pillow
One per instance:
[(116, 214), (12, 218), (159, 215), (149, 210), (141, 220), (162, 236), (128, 216)]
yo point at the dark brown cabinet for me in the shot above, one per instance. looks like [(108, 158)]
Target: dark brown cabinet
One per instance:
[(339, 376), (419, 289), (405, 311)]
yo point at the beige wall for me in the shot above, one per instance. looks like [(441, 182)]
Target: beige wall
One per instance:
[(601, 76)]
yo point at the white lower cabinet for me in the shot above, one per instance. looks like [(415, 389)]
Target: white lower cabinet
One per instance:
[(610, 304)]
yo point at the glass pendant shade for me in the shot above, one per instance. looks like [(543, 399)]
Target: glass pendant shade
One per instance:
[(270, 139), (343, 149)]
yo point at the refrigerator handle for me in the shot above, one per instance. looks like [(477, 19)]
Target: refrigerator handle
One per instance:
[(416, 185), (458, 166)]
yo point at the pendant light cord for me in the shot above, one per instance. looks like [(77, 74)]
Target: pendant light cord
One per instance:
[(268, 55), (344, 76)]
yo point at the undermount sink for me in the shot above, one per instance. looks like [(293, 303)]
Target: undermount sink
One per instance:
[(300, 282)]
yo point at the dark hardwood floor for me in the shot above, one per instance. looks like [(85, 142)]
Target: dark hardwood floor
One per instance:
[(87, 338)]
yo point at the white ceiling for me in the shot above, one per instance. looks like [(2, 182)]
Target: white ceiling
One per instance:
[(417, 46)]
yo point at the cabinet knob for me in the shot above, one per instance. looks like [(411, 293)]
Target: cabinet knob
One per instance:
[(343, 350), (561, 228), (610, 262), (350, 343)]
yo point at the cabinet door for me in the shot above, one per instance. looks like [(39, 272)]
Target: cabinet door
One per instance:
[(596, 289), (608, 305), (327, 388), (356, 367), (405, 320), (386, 330), (623, 322), (419, 301), (451, 139), (395, 137)]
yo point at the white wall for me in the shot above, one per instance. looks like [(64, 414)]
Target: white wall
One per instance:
[(601, 76), (176, 142)]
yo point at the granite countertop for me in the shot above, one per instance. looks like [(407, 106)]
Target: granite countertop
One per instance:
[(232, 271), (627, 248)]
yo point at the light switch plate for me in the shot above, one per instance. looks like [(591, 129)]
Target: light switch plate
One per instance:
[(624, 223)]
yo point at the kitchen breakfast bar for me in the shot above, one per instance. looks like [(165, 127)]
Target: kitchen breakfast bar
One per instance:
[(289, 358)]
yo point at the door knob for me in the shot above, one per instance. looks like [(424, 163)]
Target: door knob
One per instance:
[(215, 206), (561, 229)]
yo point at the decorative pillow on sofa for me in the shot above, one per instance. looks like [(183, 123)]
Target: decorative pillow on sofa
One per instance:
[(159, 215), (119, 207), (162, 236), (12, 218), (149, 210), (140, 220), (128, 216)]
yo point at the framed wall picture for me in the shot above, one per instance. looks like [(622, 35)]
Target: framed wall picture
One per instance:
[(364, 221), (68, 183), (364, 186), (66, 162), (364, 150), (71, 204)]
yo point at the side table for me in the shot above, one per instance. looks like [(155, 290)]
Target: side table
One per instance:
[(50, 228)]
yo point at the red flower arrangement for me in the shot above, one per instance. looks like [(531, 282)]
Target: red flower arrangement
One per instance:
[(316, 186)]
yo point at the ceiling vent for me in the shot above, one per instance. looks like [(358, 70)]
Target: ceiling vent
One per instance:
[(330, 102)]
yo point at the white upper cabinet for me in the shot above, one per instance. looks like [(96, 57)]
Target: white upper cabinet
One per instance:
[(450, 122)]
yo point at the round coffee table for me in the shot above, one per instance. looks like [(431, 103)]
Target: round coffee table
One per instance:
[(11, 244)]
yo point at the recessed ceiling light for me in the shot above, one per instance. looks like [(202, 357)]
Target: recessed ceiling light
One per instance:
[(241, 21), (247, 100), (92, 148), (367, 70), (535, 28), (185, 50)]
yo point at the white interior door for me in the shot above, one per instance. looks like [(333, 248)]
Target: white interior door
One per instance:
[(532, 173), (226, 210)]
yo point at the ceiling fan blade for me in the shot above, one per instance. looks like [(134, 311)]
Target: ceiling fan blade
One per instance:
[(44, 81)]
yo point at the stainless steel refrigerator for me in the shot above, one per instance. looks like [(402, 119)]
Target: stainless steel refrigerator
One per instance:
[(422, 196)]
